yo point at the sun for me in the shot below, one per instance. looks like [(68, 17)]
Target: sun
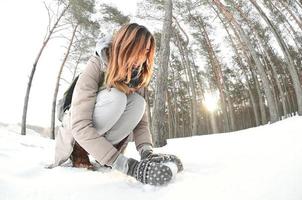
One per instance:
[(211, 100)]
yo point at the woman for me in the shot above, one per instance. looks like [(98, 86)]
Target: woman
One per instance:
[(108, 109)]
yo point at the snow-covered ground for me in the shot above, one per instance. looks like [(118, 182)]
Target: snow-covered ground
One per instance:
[(263, 163)]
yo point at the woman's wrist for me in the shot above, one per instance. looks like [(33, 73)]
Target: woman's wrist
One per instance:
[(121, 164), (145, 148)]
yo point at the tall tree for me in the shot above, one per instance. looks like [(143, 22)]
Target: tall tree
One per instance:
[(52, 28), (266, 85), (245, 64), (158, 120), (79, 18), (290, 63), (183, 48)]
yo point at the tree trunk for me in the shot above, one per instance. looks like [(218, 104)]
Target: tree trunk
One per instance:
[(175, 114), (266, 86), (186, 65), (158, 122), (216, 66), (191, 81), (169, 115), (289, 60), (189, 118), (25, 106), (241, 65), (231, 111), (213, 123), (291, 13), (278, 81), (193, 95), (265, 52), (260, 98), (54, 101)]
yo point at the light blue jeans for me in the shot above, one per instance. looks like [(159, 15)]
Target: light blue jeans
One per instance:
[(117, 114)]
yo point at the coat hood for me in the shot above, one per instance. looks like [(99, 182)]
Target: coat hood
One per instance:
[(102, 46)]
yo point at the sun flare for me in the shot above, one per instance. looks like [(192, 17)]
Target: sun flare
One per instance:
[(211, 100)]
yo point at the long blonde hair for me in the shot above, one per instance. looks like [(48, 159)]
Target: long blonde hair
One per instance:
[(129, 44)]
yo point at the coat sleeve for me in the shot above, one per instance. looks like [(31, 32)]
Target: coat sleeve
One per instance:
[(82, 107), (141, 133)]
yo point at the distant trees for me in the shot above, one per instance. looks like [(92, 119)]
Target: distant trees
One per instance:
[(74, 22), (78, 18), (84, 33), (248, 52), (257, 83), (53, 27)]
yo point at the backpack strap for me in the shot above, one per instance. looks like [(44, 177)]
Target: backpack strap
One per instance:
[(65, 102)]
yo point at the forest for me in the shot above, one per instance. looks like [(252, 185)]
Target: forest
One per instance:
[(220, 66)]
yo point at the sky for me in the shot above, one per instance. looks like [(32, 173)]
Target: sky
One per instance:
[(262, 163), (23, 26)]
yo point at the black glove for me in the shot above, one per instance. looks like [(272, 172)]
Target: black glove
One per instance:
[(162, 158), (148, 172)]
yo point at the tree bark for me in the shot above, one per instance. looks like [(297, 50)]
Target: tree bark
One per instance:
[(158, 121), (290, 12), (170, 122)]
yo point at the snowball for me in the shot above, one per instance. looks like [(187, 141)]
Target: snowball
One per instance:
[(172, 166)]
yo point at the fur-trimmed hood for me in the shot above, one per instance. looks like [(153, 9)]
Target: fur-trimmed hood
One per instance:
[(102, 46)]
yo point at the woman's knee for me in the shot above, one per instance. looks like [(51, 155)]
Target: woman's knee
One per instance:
[(138, 101), (111, 96), (130, 118), (109, 107)]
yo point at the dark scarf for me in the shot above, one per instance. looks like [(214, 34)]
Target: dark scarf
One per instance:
[(135, 74)]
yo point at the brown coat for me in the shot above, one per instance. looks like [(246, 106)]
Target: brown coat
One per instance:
[(77, 122)]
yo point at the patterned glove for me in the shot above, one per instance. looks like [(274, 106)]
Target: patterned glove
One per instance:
[(162, 158), (148, 172)]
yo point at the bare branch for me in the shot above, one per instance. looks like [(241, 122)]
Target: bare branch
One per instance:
[(59, 36), (49, 18), (182, 30), (63, 24), (58, 30)]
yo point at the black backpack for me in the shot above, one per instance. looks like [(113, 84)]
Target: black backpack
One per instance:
[(65, 102)]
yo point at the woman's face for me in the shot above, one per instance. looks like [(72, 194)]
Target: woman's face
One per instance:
[(141, 60)]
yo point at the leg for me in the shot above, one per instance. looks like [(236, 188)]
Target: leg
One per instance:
[(108, 109), (129, 119)]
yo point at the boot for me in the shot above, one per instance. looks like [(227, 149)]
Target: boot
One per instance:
[(79, 157)]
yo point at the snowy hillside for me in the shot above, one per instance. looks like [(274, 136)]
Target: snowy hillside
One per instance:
[(263, 163)]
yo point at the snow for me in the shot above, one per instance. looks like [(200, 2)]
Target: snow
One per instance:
[(263, 163)]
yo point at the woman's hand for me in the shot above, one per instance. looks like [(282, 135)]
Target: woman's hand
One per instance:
[(162, 158)]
